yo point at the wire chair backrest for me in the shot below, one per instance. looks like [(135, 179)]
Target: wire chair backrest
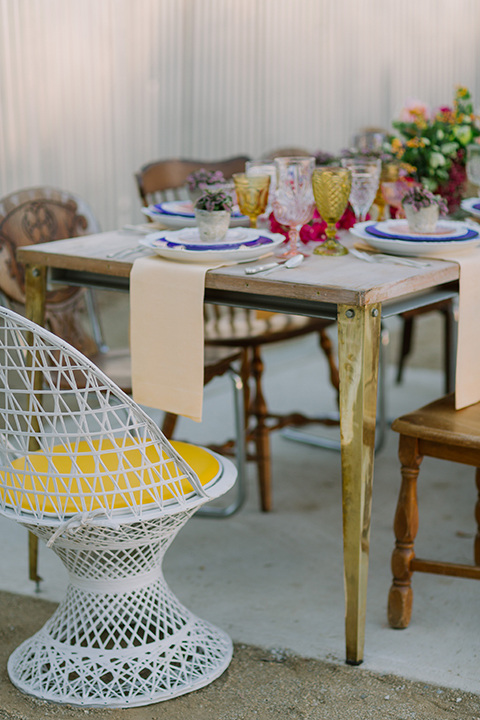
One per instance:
[(69, 447)]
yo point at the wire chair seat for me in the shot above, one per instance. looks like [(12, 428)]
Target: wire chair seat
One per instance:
[(94, 477)]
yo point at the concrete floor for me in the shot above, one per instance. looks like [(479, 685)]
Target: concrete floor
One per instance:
[(276, 580)]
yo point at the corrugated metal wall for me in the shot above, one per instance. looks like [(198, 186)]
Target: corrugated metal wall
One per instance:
[(92, 89)]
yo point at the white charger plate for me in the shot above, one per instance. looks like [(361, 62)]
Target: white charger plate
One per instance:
[(180, 215), (242, 244), (411, 248), (469, 206)]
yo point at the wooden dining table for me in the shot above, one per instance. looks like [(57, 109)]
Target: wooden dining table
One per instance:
[(357, 294)]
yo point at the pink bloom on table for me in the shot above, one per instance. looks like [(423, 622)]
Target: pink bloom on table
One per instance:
[(414, 109), (315, 231)]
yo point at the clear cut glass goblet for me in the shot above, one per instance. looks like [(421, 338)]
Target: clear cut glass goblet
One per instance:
[(293, 201), (365, 180), (331, 189)]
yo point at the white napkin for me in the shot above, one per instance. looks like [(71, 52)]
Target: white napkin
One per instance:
[(467, 376), (166, 334)]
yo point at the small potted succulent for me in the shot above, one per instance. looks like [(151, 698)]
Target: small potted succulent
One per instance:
[(212, 212), (422, 209), (202, 180)]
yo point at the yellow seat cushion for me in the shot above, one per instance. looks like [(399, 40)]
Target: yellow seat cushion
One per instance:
[(108, 479)]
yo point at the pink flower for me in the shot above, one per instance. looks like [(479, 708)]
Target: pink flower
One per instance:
[(413, 110), (315, 230)]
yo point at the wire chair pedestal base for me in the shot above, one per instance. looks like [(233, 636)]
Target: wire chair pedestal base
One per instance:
[(120, 638)]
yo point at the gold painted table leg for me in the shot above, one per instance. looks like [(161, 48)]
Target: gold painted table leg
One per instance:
[(35, 290), (359, 343)]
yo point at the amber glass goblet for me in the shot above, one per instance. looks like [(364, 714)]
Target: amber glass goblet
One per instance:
[(252, 195), (331, 190)]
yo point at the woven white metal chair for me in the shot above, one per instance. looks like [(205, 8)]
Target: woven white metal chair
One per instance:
[(88, 472)]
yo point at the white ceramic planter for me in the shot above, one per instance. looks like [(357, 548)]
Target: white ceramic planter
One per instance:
[(422, 221), (212, 226)]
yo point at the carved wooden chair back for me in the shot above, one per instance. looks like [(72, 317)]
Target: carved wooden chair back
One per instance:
[(165, 179), (39, 215)]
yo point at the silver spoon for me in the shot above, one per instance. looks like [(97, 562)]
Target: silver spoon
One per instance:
[(291, 263)]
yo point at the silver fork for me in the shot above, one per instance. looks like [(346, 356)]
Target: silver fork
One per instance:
[(127, 251), (380, 258)]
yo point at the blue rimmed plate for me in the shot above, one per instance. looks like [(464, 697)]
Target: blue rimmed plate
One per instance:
[(179, 214), (399, 230), (187, 246), (402, 245), (471, 205)]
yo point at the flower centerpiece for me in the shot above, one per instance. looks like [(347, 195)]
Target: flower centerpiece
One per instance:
[(422, 209), (201, 180), (434, 144), (212, 213)]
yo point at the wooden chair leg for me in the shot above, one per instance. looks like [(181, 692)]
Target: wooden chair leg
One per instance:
[(476, 550), (169, 422), (327, 347), (33, 560), (245, 374), (400, 598), (262, 440), (406, 346)]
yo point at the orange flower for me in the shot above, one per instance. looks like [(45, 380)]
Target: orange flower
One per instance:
[(397, 147), (415, 142)]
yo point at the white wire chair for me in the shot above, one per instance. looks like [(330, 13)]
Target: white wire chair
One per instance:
[(87, 471)]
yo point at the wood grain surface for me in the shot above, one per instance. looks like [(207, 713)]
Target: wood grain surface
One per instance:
[(342, 280)]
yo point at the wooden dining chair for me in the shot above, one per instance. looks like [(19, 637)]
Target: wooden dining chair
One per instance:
[(439, 431), (247, 329), (44, 214), (164, 180)]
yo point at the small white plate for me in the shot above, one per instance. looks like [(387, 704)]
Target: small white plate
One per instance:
[(411, 248), (185, 245), (469, 206), (399, 230)]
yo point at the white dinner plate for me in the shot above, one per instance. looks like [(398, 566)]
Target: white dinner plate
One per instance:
[(399, 230), (412, 247), (469, 206), (178, 214), (186, 246)]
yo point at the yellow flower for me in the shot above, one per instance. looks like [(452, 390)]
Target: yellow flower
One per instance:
[(409, 169), (397, 147), (415, 142), (462, 91)]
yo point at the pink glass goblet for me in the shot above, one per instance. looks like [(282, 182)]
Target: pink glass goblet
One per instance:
[(293, 202)]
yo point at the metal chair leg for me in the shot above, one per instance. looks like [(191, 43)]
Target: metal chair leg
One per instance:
[(94, 317), (241, 487)]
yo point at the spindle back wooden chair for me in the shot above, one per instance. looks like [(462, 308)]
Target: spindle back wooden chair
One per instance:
[(247, 329), (439, 431)]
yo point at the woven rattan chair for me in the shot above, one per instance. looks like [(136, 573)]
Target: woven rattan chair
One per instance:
[(247, 329), (88, 472)]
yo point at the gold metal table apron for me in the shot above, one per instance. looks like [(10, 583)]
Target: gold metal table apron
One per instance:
[(356, 293)]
